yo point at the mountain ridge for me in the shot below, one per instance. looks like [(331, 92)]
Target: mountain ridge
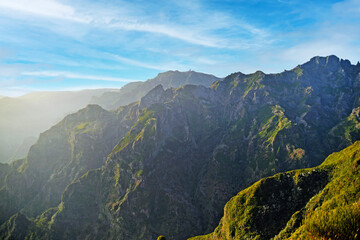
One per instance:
[(185, 152), (133, 92)]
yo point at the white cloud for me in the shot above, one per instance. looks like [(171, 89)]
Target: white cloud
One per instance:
[(134, 62), (303, 52), (76, 76), (158, 66), (197, 27), (337, 33), (45, 8), (173, 32)]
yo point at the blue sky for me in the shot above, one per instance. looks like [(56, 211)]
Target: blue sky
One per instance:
[(72, 45)]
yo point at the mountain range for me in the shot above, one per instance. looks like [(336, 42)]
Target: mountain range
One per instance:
[(169, 163), (133, 92), (44, 109)]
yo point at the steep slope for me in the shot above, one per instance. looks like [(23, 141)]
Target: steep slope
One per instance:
[(16, 228), (188, 150), (62, 154), (133, 92), (317, 203), (24, 118)]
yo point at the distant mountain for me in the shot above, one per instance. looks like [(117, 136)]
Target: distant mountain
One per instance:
[(24, 118), (62, 154), (316, 203), (167, 164), (134, 91), (23, 149)]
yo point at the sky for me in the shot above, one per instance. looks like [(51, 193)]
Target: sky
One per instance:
[(51, 45)]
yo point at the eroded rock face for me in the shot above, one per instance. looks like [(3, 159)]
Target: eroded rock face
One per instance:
[(170, 162)]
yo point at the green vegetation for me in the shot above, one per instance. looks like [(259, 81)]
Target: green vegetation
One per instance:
[(215, 85), (274, 124), (85, 127), (319, 203), (298, 71), (144, 126), (253, 82), (349, 128), (15, 228), (337, 224)]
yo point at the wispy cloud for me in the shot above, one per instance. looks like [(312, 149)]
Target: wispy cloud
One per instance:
[(196, 32), (114, 42), (158, 66), (337, 33), (76, 76), (45, 8), (173, 32), (134, 62)]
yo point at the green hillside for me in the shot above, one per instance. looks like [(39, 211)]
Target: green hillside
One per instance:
[(315, 203)]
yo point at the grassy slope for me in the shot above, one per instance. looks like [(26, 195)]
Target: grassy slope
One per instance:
[(317, 203)]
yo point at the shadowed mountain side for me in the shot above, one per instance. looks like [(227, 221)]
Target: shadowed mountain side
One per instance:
[(133, 92)]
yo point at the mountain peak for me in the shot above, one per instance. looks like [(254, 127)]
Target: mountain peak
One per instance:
[(332, 59), (153, 96), (330, 62)]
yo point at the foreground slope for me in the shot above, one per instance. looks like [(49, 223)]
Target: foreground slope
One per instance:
[(316, 203), (185, 152)]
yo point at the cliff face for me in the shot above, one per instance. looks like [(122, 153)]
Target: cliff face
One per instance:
[(315, 203), (168, 164)]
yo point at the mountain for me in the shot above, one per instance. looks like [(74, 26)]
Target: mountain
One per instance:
[(167, 165), (133, 92), (316, 203), (62, 154), (24, 118)]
